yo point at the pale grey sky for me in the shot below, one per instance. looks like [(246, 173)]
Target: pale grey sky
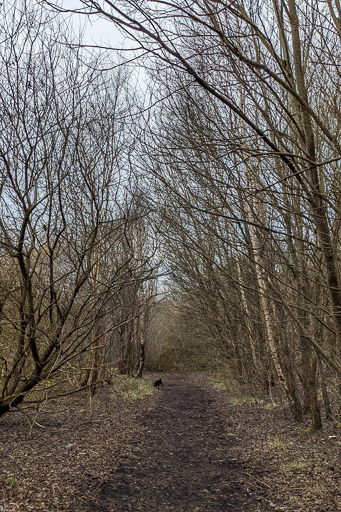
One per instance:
[(98, 31), (102, 32)]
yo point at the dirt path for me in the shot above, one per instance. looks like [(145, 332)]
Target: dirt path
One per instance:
[(183, 458), (186, 448)]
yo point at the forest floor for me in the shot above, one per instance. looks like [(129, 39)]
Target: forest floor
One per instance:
[(185, 448)]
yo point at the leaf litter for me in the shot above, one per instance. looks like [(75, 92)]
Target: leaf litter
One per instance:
[(185, 448)]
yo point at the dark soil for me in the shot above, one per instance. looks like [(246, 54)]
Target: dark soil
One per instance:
[(186, 448)]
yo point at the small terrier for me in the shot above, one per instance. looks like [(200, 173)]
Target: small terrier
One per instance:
[(158, 383)]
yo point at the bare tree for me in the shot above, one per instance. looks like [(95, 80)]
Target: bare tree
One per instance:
[(64, 175), (277, 84), (220, 44), (222, 234)]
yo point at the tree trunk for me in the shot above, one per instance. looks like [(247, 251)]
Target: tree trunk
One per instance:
[(326, 401), (142, 344)]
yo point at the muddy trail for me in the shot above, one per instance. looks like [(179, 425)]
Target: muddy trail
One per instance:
[(185, 448), (183, 458)]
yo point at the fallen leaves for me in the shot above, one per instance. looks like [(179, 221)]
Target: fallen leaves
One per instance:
[(186, 449)]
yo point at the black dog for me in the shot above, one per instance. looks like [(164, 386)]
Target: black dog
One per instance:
[(158, 383)]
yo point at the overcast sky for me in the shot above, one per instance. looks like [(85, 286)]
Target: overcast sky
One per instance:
[(97, 30), (102, 32)]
